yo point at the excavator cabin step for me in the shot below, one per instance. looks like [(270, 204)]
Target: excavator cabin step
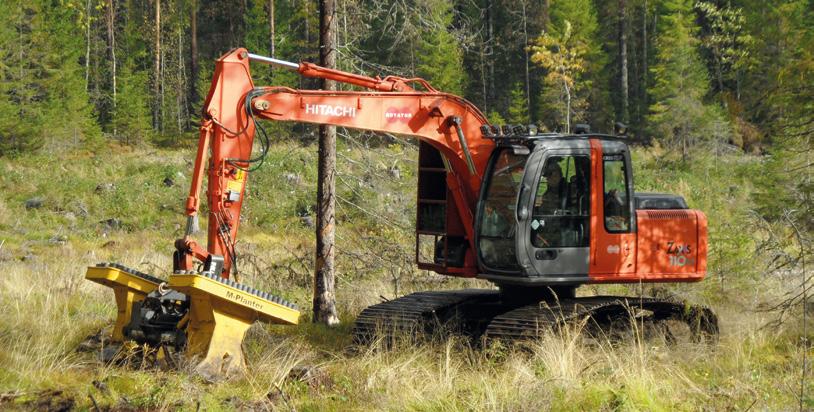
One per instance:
[(204, 315)]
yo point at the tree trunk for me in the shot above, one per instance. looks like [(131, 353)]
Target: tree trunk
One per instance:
[(490, 50), (526, 55), (157, 70), (271, 27), (644, 58), (179, 98), (324, 272), (623, 86), (307, 10), (87, 48), (193, 55), (546, 14), (567, 107), (111, 44)]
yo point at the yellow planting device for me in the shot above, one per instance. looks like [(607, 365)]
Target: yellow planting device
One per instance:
[(201, 315)]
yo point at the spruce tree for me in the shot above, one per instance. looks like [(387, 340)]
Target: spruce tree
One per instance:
[(679, 117), (439, 55), (41, 78), (65, 84), (517, 105), (132, 115)]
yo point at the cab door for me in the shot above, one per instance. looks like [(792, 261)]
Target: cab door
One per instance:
[(613, 223), (554, 217)]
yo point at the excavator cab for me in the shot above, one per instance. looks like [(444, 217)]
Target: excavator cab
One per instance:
[(539, 201), (560, 211)]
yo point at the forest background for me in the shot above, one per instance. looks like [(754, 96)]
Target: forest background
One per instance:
[(719, 93)]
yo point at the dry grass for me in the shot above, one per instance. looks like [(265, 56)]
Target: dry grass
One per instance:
[(47, 309)]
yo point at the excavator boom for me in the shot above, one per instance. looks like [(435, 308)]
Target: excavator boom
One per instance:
[(446, 123)]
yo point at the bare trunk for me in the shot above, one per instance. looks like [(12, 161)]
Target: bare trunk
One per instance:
[(485, 104), (526, 55), (644, 57), (271, 27), (111, 44), (567, 107), (307, 25), (161, 92), (324, 272), (87, 47), (546, 14), (490, 50), (344, 22), (623, 86), (157, 69), (181, 84), (193, 54)]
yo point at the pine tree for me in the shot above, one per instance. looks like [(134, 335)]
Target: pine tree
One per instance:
[(518, 112), (42, 79), (65, 82), (440, 58), (679, 117), (132, 115)]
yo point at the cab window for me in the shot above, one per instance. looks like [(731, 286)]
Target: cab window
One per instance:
[(497, 222), (561, 214), (616, 196)]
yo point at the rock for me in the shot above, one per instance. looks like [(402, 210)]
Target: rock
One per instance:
[(168, 182), (34, 203), (105, 188), (292, 179), (307, 220), (313, 376), (58, 239), (100, 385), (112, 223), (394, 172), (81, 209)]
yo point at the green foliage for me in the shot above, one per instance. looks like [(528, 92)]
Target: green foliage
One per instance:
[(562, 56), (131, 118), (518, 106), (570, 54), (679, 116), (41, 79), (726, 40), (495, 118), (439, 55)]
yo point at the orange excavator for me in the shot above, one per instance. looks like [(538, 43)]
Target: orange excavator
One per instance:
[(537, 214)]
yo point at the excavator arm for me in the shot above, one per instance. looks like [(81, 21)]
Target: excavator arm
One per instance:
[(449, 124)]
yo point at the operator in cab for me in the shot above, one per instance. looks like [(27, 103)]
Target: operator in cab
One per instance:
[(548, 203)]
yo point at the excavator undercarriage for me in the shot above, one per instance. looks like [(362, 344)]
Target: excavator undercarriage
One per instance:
[(487, 315)]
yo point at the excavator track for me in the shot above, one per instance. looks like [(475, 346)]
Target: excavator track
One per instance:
[(481, 315), (601, 311), (420, 312)]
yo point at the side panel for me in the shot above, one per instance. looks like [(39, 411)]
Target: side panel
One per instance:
[(613, 255), (671, 245)]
